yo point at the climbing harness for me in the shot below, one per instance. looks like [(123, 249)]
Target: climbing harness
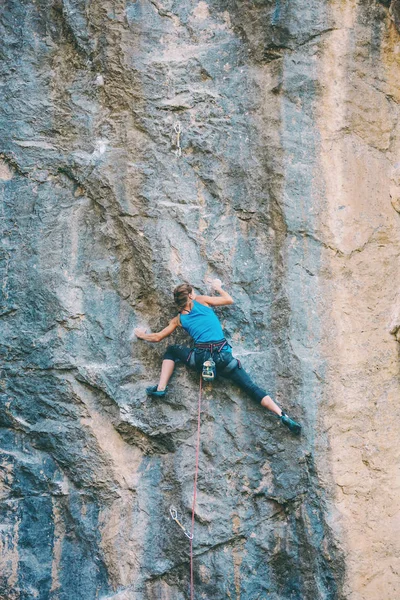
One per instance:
[(174, 514), (178, 129), (195, 491), (212, 346), (209, 369)]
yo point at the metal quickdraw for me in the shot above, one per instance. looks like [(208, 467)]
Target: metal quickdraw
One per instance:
[(174, 514), (178, 130)]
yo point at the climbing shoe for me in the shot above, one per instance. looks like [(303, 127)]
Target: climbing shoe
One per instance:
[(153, 391), (290, 424)]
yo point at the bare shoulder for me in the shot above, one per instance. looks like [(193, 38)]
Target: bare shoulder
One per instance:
[(211, 301), (203, 300), (175, 321)]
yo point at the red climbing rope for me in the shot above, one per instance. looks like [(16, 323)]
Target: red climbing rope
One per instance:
[(195, 492)]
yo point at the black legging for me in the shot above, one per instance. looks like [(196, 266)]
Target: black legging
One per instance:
[(225, 364)]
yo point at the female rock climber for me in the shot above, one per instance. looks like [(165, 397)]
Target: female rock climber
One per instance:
[(197, 317)]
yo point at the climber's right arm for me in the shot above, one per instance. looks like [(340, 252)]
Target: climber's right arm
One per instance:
[(157, 337)]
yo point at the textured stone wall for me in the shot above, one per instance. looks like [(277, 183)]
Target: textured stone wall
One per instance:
[(360, 146), (285, 183)]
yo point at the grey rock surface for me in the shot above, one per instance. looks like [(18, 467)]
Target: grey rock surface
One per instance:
[(104, 210)]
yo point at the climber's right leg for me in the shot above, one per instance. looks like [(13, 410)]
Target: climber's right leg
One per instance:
[(244, 381), (268, 403)]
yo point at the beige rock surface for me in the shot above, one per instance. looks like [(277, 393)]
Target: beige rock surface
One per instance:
[(360, 150)]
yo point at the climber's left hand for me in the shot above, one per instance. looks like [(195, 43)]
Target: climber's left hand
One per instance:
[(140, 332)]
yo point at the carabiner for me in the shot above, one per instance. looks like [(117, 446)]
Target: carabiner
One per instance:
[(174, 514)]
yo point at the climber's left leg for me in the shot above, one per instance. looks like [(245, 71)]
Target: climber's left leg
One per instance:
[(173, 354), (167, 369)]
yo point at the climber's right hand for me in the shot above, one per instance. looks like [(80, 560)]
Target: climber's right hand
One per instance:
[(216, 284)]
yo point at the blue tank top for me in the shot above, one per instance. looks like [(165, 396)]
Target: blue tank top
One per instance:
[(202, 324)]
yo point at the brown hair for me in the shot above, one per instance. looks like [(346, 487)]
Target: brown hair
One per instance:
[(181, 295)]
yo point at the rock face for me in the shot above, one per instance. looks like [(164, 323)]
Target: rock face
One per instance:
[(145, 143)]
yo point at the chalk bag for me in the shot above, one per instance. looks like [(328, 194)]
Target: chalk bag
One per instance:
[(209, 371)]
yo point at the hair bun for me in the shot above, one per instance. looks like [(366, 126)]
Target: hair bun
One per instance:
[(181, 294)]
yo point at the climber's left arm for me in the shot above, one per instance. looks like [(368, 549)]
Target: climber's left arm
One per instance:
[(157, 337)]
